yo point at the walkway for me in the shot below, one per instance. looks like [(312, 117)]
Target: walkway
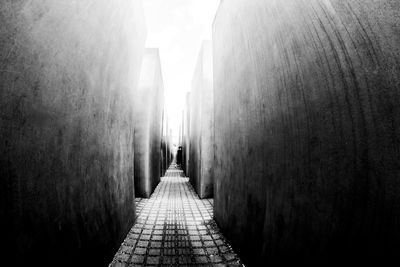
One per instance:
[(174, 227)]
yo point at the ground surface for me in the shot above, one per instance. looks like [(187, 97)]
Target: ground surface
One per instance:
[(175, 227)]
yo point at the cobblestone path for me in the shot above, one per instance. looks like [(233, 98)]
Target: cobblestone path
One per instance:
[(175, 228)]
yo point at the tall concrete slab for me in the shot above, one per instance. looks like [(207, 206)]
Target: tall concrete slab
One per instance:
[(201, 151), (148, 109), (68, 71), (166, 144), (307, 130), (186, 134)]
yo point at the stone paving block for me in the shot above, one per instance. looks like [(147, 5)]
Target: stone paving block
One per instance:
[(175, 228), (169, 260), (154, 251), (137, 230), (219, 242), (126, 249), (153, 260), (199, 251), (157, 237), (142, 243), (201, 259), (146, 232), (169, 252), (197, 244), (195, 238), (122, 257), (140, 251), (212, 250), (229, 256), (184, 260), (139, 259), (158, 232), (129, 242), (216, 259)]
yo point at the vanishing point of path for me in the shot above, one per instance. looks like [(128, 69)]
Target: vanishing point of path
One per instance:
[(175, 228)]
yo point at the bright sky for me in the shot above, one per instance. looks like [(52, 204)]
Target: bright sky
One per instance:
[(177, 28)]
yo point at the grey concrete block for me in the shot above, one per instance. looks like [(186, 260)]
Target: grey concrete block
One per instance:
[(67, 73), (307, 129), (148, 110), (201, 144)]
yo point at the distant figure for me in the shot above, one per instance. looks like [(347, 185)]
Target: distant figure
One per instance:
[(179, 156)]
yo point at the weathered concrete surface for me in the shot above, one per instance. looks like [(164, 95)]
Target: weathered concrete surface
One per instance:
[(201, 151), (67, 73), (148, 109), (307, 129), (166, 145), (186, 134)]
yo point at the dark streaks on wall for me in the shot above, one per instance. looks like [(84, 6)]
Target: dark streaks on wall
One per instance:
[(66, 131), (148, 108), (307, 129), (200, 145)]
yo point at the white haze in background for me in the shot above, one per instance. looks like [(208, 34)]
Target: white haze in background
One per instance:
[(177, 28)]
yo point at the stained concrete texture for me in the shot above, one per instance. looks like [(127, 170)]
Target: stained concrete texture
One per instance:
[(201, 151), (186, 135), (175, 228), (307, 130), (67, 72), (166, 145), (148, 110)]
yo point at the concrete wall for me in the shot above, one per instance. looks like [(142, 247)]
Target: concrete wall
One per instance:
[(68, 70), (186, 134), (201, 152), (307, 129), (166, 145), (148, 108)]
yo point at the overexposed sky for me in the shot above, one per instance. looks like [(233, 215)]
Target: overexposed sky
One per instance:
[(177, 28)]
